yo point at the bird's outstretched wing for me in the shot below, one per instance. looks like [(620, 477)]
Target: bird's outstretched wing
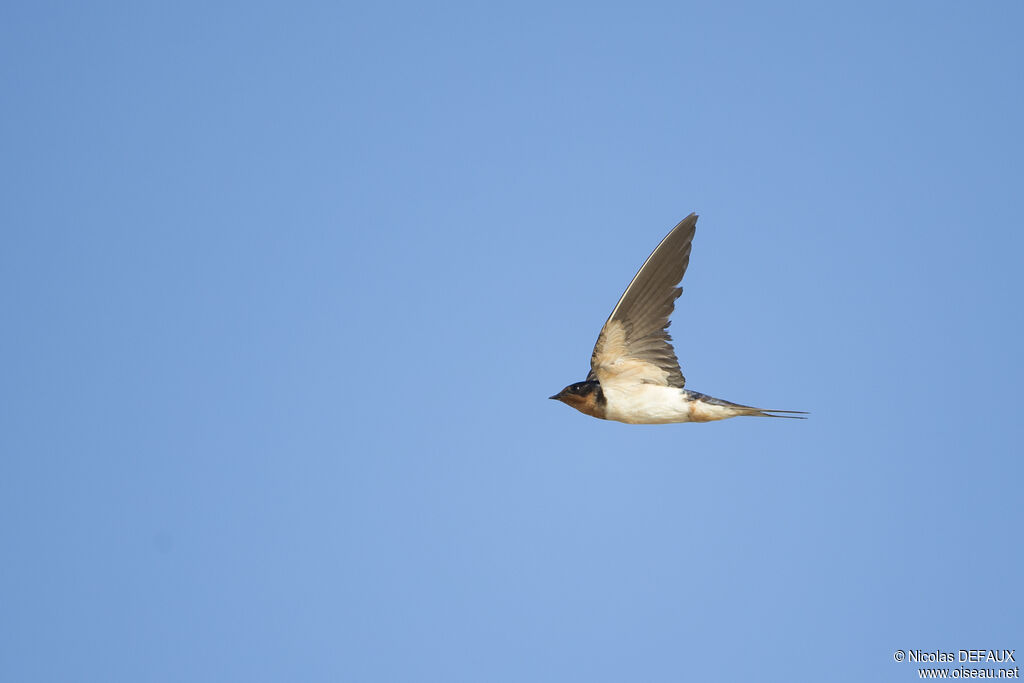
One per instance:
[(634, 345)]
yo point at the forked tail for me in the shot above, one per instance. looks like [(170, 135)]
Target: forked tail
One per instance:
[(729, 409), (789, 414)]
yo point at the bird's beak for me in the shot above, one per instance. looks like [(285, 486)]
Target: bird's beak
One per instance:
[(556, 396)]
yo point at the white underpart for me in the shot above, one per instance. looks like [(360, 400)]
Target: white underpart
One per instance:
[(657, 404), (645, 403)]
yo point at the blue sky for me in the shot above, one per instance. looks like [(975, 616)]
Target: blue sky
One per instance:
[(285, 289)]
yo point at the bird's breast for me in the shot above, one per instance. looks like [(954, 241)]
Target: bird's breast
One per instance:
[(646, 404)]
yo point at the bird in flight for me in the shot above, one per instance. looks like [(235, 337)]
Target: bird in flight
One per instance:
[(634, 374)]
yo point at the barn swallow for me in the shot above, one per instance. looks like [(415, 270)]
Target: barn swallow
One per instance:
[(634, 374)]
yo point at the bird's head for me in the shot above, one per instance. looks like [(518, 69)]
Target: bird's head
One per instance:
[(585, 397)]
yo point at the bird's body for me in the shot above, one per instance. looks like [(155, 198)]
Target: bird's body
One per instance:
[(634, 375), (653, 404)]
